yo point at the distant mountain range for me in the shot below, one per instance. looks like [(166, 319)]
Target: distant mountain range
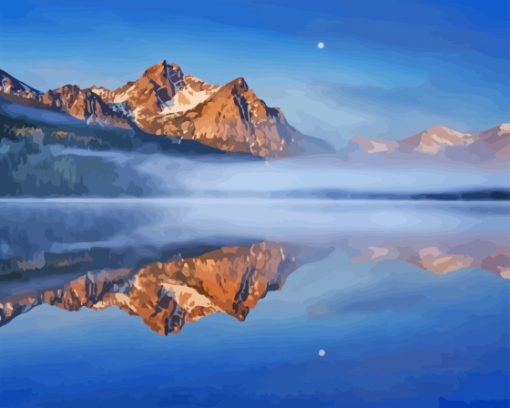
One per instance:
[(231, 118), (491, 145), (166, 102)]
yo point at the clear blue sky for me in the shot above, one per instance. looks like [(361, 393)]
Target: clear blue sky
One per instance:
[(389, 68)]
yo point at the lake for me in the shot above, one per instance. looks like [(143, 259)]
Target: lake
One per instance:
[(254, 303)]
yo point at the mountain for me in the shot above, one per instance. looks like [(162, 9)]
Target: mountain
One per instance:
[(14, 87), (85, 105), (489, 145), (44, 152), (165, 294), (166, 102)]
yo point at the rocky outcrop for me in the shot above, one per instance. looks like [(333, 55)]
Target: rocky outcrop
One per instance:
[(164, 101), (85, 105), (14, 87)]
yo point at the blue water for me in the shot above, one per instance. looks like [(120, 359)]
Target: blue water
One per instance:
[(409, 301)]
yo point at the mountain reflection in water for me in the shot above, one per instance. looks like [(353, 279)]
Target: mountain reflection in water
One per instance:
[(407, 301), (166, 293), (168, 286)]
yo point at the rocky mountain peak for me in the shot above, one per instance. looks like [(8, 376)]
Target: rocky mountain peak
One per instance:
[(164, 75), (435, 139), (14, 87), (165, 102), (440, 128), (502, 130), (240, 85)]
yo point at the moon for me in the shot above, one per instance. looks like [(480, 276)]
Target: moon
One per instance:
[(320, 45), (321, 353)]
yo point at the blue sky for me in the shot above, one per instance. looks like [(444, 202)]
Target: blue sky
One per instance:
[(389, 68)]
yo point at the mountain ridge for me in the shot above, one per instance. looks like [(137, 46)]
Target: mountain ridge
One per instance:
[(164, 101), (490, 144)]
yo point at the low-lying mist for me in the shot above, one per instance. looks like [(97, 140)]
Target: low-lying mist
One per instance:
[(45, 153), (215, 175)]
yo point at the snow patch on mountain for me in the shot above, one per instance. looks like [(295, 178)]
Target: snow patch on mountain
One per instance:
[(187, 98), (124, 96), (122, 107)]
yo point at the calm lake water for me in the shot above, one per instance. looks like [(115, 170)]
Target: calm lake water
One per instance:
[(254, 303)]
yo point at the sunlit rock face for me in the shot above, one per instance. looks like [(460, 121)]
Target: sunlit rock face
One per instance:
[(166, 102), (167, 295), (15, 88), (85, 105)]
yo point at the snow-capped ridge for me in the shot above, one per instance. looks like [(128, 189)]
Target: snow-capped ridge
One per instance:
[(493, 143)]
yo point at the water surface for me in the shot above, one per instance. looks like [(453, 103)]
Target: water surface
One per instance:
[(189, 303)]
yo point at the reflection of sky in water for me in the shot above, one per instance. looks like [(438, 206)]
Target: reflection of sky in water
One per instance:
[(395, 335)]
